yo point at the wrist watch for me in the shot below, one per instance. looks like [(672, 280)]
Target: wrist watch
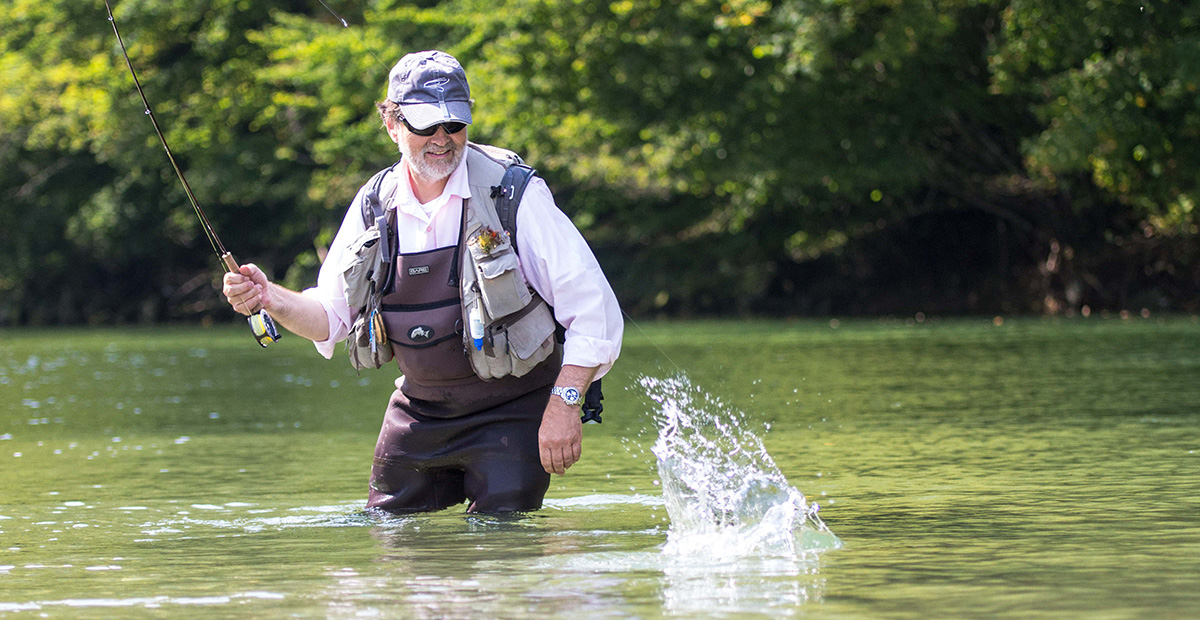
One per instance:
[(570, 395)]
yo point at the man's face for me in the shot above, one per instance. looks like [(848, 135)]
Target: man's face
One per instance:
[(431, 158)]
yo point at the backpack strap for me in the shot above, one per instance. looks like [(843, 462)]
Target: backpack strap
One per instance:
[(507, 196), (372, 206), (371, 209)]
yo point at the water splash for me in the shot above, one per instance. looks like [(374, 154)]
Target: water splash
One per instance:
[(723, 492)]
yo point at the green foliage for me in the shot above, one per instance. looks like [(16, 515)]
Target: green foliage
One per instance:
[(711, 151), (1118, 96)]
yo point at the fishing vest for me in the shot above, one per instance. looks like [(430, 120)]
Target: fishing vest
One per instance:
[(466, 330)]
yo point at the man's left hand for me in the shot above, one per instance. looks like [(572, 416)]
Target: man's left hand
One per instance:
[(560, 437)]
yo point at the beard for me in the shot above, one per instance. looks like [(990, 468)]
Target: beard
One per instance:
[(435, 170)]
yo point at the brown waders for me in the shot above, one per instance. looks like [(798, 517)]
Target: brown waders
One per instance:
[(449, 436)]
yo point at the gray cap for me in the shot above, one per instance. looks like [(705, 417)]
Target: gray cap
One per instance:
[(431, 87)]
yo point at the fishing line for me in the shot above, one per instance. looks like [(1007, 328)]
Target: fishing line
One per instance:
[(346, 24), (213, 240), (651, 340), (261, 324)]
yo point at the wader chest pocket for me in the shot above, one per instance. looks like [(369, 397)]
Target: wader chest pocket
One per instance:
[(499, 278)]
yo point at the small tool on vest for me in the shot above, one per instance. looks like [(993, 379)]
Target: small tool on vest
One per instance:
[(261, 323), (476, 328)]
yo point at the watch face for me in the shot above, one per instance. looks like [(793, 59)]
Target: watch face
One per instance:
[(569, 395)]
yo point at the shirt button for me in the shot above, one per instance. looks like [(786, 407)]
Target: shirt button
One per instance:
[(428, 229)]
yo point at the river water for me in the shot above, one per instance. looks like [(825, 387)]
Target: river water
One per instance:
[(861, 469)]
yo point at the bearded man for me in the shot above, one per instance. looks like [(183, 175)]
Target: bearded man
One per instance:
[(453, 432)]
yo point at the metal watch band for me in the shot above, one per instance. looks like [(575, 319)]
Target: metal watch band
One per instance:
[(570, 395)]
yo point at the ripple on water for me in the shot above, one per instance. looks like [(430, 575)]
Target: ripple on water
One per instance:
[(154, 602), (604, 500), (263, 519)]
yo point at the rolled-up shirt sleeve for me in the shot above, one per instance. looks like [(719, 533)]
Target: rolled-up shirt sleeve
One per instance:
[(559, 265), (329, 290)]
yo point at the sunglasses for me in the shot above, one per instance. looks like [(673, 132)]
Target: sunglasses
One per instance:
[(450, 128)]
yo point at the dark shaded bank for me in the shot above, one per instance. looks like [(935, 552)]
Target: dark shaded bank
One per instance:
[(970, 262), (1037, 257)]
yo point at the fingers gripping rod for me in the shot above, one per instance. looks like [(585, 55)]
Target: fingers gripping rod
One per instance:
[(261, 323)]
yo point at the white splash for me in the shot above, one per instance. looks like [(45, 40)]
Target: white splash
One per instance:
[(723, 491)]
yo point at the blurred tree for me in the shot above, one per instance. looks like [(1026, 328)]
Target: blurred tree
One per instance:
[(715, 145), (788, 156), (1116, 86)]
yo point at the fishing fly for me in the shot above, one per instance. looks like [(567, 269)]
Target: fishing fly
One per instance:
[(261, 323)]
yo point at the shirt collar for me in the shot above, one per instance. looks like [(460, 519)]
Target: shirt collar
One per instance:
[(456, 187)]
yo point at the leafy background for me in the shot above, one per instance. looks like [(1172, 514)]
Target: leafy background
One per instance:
[(735, 157)]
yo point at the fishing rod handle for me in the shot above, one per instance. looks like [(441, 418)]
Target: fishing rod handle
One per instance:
[(261, 324), (230, 264)]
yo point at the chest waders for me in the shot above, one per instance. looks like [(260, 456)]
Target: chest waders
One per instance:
[(450, 434)]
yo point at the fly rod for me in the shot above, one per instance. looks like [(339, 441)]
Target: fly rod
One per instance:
[(261, 323)]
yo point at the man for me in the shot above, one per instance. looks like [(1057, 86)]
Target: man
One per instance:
[(447, 435)]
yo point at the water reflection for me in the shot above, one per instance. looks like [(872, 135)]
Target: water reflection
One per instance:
[(769, 586), (450, 565), (554, 565)]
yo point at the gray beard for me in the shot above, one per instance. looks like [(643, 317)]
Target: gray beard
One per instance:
[(427, 171)]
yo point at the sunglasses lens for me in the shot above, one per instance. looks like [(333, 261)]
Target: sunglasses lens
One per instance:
[(428, 131), (451, 128)]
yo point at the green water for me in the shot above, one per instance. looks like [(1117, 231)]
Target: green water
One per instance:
[(1039, 469)]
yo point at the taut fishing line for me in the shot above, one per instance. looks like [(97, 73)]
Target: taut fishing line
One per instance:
[(346, 24), (261, 323)]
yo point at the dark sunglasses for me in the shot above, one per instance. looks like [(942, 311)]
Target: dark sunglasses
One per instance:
[(450, 128)]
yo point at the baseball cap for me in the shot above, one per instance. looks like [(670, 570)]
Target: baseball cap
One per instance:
[(430, 87)]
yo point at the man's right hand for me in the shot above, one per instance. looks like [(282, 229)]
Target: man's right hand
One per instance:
[(247, 291)]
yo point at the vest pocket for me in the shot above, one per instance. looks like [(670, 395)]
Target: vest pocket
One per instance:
[(499, 277), (511, 348), (358, 265), (530, 335)]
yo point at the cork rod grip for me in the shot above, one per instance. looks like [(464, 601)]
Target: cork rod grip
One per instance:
[(230, 264)]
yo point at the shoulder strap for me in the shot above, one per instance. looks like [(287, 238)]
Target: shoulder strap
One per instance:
[(371, 209), (371, 206), (507, 196)]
